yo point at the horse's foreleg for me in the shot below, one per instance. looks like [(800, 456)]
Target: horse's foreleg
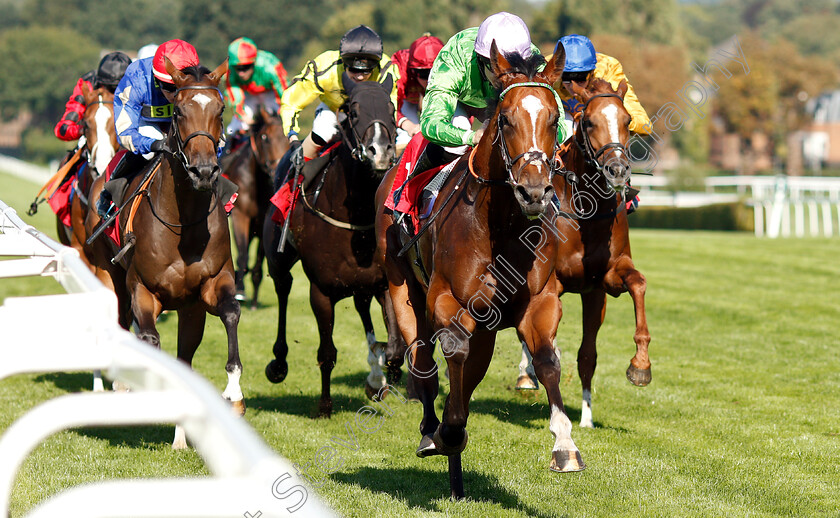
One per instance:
[(241, 228), (455, 330), (633, 281), (396, 348), (324, 309), (594, 307), (538, 328), (145, 307), (376, 353), (220, 300), (257, 272), (190, 332), (277, 369)]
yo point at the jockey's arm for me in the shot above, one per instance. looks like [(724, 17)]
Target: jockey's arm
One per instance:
[(610, 69), (128, 106), (436, 119), (234, 99), (300, 94), (69, 127)]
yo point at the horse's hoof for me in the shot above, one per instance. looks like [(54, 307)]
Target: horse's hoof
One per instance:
[(274, 373), (238, 407), (120, 386), (444, 449), (427, 447), (566, 461), (638, 377), (374, 393), (325, 408), (526, 383)]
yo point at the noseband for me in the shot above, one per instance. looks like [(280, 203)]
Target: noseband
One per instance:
[(358, 150), (178, 152), (528, 157), (588, 151)]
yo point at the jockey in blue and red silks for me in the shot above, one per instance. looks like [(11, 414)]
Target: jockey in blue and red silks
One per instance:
[(143, 111)]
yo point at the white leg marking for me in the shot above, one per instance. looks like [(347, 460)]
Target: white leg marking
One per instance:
[(586, 410), (98, 386), (525, 367), (376, 360), (233, 392), (180, 440), (561, 428)]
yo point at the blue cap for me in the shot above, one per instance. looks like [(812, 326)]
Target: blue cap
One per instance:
[(580, 53)]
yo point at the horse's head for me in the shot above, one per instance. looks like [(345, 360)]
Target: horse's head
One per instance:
[(603, 130), (98, 124), (524, 128), (269, 141), (197, 122), (370, 127)]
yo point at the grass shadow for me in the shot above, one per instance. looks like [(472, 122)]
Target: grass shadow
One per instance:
[(422, 488), (69, 382), (303, 404), (132, 436)]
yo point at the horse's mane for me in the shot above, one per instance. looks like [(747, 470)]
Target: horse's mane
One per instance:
[(197, 72)]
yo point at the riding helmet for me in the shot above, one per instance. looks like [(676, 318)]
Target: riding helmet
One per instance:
[(510, 33), (242, 51), (580, 53), (179, 52), (361, 48), (111, 69), (424, 50)]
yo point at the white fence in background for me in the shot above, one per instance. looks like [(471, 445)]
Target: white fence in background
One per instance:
[(782, 205), (249, 479)]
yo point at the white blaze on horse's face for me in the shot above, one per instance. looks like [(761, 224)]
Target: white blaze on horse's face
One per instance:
[(377, 150), (610, 113), (102, 151), (202, 100), (533, 106)]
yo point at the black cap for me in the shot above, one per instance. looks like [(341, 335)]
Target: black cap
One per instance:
[(361, 41), (112, 68)]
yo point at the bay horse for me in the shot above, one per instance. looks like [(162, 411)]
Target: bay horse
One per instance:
[(181, 257), (490, 262), (333, 237), (251, 167), (594, 258)]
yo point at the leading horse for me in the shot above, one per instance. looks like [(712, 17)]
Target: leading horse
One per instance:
[(251, 167), (332, 228), (181, 258), (595, 258), (490, 262)]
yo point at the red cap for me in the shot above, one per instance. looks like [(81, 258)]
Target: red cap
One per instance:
[(179, 52), (424, 50)]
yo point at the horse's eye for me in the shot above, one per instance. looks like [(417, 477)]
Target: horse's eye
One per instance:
[(503, 120)]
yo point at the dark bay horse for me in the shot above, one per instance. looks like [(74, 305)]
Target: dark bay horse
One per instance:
[(181, 258), (490, 259), (251, 167), (594, 258), (332, 228)]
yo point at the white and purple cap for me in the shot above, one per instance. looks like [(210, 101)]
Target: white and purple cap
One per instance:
[(509, 31)]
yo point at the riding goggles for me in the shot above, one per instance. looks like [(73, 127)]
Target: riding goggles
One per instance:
[(358, 65)]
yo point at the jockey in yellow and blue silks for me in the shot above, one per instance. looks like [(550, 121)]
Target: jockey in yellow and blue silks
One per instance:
[(582, 62)]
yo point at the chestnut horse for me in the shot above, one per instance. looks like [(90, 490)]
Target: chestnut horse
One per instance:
[(332, 229), (490, 262), (251, 167), (181, 258), (594, 258), (100, 146)]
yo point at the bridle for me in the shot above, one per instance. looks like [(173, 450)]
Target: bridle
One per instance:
[(264, 165), (527, 157), (180, 143), (590, 155), (358, 150)]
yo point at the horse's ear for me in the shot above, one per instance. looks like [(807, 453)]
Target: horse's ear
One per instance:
[(264, 113), (178, 77), (388, 84), (86, 91), (499, 64), (580, 91), (554, 69), (220, 71), (347, 83), (622, 88)]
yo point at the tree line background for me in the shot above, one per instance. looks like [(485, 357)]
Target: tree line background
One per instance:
[(793, 48)]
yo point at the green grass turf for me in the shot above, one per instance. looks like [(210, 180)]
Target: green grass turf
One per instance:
[(742, 417)]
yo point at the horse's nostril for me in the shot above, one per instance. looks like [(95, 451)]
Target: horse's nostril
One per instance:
[(523, 193), (371, 151)]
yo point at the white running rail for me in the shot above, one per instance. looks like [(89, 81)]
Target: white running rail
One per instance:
[(249, 479)]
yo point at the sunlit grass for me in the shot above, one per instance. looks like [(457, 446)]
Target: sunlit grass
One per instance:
[(742, 417)]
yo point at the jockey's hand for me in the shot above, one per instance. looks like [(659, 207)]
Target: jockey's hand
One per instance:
[(160, 146), (410, 127), (293, 137), (477, 136)]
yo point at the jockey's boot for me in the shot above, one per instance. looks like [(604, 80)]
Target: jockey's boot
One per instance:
[(632, 200), (128, 165), (285, 167)]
